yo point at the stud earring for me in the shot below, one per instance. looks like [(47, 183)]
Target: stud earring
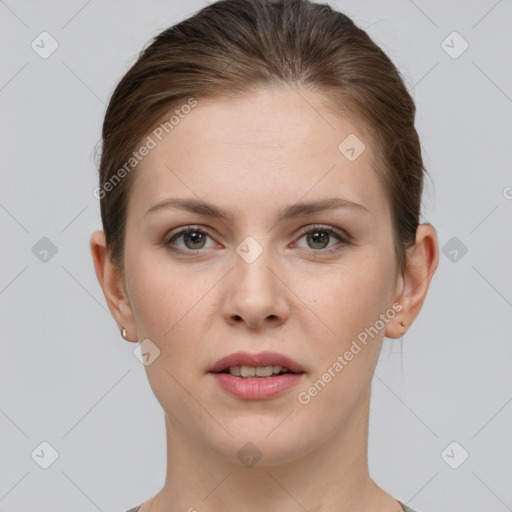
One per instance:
[(123, 333), (402, 323)]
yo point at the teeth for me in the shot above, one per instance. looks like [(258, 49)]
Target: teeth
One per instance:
[(251, 371), (235, 370)]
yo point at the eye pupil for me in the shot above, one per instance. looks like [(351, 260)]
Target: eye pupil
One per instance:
[(195, 236), (319, 237)]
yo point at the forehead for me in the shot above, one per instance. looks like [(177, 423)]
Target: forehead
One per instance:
[(275, 145)]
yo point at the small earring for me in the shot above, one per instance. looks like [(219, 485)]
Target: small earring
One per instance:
[(123, 333), (402, 323)]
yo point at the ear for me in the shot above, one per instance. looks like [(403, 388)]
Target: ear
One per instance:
[(412, 285), (111, 282)]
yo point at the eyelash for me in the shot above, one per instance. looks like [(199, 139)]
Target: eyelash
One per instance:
[(313, 229)]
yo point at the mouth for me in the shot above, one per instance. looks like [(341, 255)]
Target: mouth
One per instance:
[(260, 376), (262, 372), (262, 365)]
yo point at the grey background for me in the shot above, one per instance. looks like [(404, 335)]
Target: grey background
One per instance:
[(68, 378)]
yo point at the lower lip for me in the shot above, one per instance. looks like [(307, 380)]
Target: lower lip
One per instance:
[(257, 388)]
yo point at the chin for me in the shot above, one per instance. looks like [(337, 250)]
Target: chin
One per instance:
[(260, 446)]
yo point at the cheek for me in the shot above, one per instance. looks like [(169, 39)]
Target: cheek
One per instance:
[(167, 300), (153, 299), (350, 297), (358, 294), (167, 306)]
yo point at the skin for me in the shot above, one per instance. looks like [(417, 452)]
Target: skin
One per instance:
[(252, 156)]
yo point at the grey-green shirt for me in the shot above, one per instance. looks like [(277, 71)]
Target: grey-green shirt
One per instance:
[(405, 507)]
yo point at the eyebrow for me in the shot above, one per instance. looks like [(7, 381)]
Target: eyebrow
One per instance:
[(203, 208)]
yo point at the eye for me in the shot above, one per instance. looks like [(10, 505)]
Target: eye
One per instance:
[(193, 237), (318, 238)]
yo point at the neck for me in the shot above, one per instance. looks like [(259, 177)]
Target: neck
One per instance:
[(331, 476)]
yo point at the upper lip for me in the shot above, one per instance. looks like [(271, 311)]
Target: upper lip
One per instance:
[(261, 359)]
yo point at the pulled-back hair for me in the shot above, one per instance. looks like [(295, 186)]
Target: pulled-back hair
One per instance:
[(234, 47)]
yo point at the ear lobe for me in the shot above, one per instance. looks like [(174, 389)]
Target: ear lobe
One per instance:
[(422, 261), (110, 280)]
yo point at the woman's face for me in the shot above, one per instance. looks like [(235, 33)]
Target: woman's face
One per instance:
[(253, 281)]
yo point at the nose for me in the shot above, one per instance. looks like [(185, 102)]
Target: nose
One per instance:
[(256, 293)]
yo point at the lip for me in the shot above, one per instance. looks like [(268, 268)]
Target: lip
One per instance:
[(261, 359), (257, 388)]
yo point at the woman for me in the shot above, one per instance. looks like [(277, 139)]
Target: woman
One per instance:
[(260, 190)]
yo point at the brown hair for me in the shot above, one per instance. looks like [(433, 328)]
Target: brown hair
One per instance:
[(234, 47)]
